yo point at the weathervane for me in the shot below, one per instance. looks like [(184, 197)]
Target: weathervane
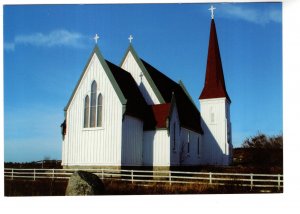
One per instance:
[(212, 8), (130, 38), (96, 38)]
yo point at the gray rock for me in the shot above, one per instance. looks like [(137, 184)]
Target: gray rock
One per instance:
[(84, 183)]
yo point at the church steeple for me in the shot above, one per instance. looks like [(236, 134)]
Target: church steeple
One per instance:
[(214, 86)]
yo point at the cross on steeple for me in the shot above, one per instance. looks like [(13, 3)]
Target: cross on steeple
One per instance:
[(130, 38), (212, 8), (96, 38)]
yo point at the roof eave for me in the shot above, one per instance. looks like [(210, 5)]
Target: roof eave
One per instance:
[(186, 92)]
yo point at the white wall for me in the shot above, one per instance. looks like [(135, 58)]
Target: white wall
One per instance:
[(192, 157), (156, 148), (175, 150), (94, 146), (216, 126), (132, 141), (133, 68)]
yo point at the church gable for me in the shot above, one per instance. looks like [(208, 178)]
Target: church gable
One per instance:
[(94, 116), (97, 56), (133, 64)]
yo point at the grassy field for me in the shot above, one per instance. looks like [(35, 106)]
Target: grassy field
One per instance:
[(48, 187)]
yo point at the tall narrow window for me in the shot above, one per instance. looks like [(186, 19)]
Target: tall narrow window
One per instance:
[(93, 104), (198, 146), (188, 148), (174, 136), (99, 111), (86, 111)]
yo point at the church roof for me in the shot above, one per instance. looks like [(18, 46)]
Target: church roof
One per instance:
[(163, 88), (214, 86), (136, 105), (161, 113), (164, 84), (133, 101), (189, 115)]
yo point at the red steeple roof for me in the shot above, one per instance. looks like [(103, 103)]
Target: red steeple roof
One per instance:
[(214, 86)]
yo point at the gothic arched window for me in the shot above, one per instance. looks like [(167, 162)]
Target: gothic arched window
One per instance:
[(99, 111), (86, 111), (93, 104)]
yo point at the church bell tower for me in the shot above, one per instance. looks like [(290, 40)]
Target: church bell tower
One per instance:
[(215, 106)]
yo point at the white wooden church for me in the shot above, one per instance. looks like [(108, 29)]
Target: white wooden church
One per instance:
[(134, 115)]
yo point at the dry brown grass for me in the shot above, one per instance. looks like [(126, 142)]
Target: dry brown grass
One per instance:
[(45, 187), (48, 187), (126, 188)]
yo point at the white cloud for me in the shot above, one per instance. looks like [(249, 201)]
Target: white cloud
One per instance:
[(250, 14), (9, 46), (54, 38)]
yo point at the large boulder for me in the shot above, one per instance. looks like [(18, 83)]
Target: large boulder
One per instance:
[(84, 183)]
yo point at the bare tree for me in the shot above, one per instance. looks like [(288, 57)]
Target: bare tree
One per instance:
[(261, 141), (263, 150)]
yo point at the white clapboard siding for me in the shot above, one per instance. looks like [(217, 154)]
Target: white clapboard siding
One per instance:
[(94, 146), (132, 141), (133, 68), (156, 148), (215, 125)]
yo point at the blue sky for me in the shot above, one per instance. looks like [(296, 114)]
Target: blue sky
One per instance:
[(46, 48)]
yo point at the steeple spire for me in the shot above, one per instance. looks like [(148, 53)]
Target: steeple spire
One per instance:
[(214, 86)]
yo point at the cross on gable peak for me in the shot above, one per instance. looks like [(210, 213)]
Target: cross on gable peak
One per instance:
[(96, 38), (130, 38)]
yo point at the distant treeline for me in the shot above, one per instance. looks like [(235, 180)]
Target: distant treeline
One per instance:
[(47, 164)]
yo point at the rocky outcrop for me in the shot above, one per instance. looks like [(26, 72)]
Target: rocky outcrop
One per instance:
[(84, 183)]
